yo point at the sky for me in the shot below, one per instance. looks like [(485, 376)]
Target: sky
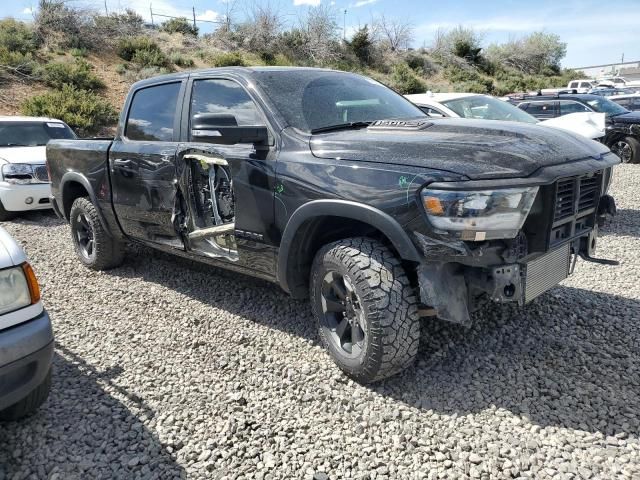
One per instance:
[(596, 32)]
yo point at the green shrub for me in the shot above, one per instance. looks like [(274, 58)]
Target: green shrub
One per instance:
[(79, 74), (179, 25), (473, 86), (405, 81), (180, 60), (78, 52), (17, 36), (80, 109), (16, 62), (121, 68), (228, 59), (127, 47), (150, 58), (136, 74)]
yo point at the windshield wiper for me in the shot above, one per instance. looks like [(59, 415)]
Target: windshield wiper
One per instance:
[(341, 126), (14, 145)]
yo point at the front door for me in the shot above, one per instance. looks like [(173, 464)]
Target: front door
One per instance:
[(142, 165)]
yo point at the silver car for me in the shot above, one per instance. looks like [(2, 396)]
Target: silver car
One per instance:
[(26, 336)]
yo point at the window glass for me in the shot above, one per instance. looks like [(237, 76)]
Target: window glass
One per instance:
[(152, 113), (310, 99), (31, 134), (573, 85), (224, 97), (432, 112), (540, 108), (488, 108), (572, 107)]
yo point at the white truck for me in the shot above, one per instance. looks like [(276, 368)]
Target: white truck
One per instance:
[(24, 180)]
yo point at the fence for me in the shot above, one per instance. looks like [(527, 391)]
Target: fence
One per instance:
[(195, 18)]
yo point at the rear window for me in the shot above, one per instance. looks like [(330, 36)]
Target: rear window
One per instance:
[(540, 108), (152, 113), (32, 134)]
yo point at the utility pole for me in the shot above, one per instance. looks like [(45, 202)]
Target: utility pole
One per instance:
[(106, 11), (344, 25), (194, 17), (151, 11)]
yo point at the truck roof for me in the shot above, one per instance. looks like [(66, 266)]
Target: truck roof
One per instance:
[(246, 70), (15, 118)]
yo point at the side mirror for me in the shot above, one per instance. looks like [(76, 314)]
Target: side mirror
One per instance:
[(223, 129)]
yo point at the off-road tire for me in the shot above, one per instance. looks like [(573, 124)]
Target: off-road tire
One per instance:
[(6, 215), (389, 306), (30, 403), (107, 252)]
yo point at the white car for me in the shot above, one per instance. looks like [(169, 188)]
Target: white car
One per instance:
[(486, 107), (581, 86), (24, 180), (26, 336)]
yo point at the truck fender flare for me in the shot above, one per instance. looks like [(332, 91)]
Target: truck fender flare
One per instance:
[(75, 177), (378, 219)]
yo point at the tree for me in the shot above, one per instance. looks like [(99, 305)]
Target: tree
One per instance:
[(361, 44), (394, 34), (321, 31), (539, 53), (462, 42)]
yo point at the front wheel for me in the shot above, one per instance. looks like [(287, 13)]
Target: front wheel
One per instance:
[(365, 309), (93, 244), (628, 149)]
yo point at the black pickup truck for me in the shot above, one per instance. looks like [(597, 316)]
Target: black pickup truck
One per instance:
[(341, 191)]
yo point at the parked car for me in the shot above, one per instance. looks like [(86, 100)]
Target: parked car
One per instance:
[(486, 107), (623, 126), (630, 102), (581, 86), (26, 337), (339, 190), (24, 181)]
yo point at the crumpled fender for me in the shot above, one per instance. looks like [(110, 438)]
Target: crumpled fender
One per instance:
[(587, 124)]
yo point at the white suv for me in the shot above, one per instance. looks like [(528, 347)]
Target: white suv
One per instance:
[(24, 181)]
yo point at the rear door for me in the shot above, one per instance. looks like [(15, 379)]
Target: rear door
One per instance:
[(142, 164), (542, 109)]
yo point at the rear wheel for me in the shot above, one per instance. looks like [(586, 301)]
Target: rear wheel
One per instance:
[(6, 215), (365, 308), (628, 149), (94, 246), (30, 403)]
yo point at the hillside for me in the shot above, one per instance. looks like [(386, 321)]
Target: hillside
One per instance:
[(78, 65)]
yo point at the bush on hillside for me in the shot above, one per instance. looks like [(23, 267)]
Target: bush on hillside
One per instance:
[(361, 45), (118, 25), (79, 74), (228, 59), (82, 110), (179, 25), (127, 47), (405, 81), (17, 36), (180, 60), (151, 58), (16, 63), (539, 53), (59, 26)]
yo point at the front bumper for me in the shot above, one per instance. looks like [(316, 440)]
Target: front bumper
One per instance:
[(26, 352), (15, 198)]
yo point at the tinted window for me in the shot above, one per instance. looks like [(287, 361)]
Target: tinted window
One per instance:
[(572, 107), (604, 105), (152, 113), (224, 97), (30, 134), (573, 85), (310, 99), (540, 108)]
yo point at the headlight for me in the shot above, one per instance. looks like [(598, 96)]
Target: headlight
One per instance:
[(15, 291), (479, 214), (17, 173)]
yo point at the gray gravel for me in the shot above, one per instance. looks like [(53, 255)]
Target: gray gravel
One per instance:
[(166, 369)]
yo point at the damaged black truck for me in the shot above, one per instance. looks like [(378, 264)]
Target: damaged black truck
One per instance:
[(341, 191)]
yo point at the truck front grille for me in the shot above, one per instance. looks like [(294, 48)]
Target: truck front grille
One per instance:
[(574, 206), (545, 272)]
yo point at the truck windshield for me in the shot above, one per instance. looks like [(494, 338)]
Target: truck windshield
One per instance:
[(315, 100), (604, 105), (488, 108), (32, 134)]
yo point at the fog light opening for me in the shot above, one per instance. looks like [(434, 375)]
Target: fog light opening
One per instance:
[(28, 200), (509, 290)]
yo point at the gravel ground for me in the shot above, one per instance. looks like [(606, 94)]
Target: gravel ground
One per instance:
[(165, 369)]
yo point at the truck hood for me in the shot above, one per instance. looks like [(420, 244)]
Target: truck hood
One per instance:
[(631, 117), (33, 155), (477, 149)]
